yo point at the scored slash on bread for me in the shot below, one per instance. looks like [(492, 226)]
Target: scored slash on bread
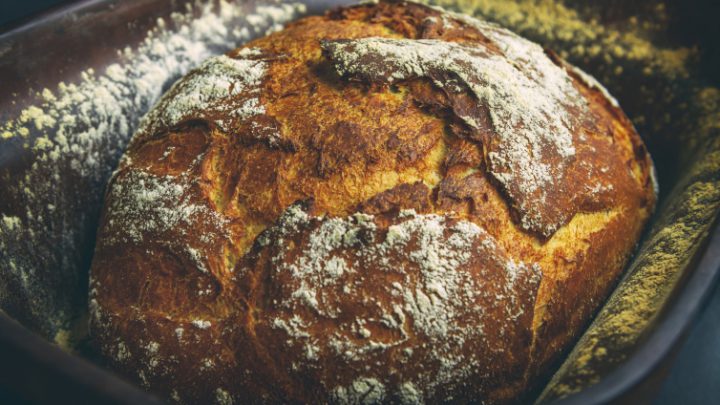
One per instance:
[(388, 203)]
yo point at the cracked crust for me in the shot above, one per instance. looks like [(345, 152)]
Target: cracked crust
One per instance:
[(408, 272)]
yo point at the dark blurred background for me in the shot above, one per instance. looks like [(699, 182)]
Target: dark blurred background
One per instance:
[(695, 376), (14, 12)]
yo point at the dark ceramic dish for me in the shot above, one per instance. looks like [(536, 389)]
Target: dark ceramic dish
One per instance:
[(658, 72)]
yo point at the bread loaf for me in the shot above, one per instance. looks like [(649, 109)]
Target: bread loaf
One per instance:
[(387, 203)]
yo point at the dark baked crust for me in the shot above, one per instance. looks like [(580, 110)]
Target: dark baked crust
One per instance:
[(325, 223)]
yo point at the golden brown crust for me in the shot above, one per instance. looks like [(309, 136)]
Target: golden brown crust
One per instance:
[(422, 263)]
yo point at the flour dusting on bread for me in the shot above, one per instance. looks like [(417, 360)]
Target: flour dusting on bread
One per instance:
[(143, 203), (527, 95), (431, 273), (424, 230), (223, 90), (146, 206)]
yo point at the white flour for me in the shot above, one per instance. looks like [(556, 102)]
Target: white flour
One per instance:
[(527, 96), (435, 304), (82, 129)]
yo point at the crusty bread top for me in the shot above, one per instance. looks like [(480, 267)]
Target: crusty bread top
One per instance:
[(379, 204)]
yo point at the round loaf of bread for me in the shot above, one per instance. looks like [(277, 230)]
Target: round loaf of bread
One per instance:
[(387, 203)]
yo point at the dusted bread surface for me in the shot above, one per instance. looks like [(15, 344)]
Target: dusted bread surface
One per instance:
[(387, 203)]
